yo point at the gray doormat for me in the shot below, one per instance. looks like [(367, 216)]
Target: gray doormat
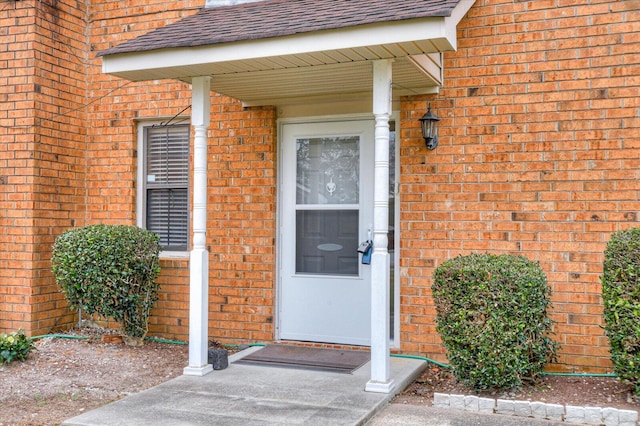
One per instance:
[(339, 361)]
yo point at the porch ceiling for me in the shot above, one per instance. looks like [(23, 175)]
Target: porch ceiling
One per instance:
[(325, 64)]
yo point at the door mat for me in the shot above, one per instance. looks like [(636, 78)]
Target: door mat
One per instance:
[(339, 361)]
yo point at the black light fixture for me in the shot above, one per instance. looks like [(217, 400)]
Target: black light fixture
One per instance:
[(429, 123)]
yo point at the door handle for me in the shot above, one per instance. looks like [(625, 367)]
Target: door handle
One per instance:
[(366, 248)]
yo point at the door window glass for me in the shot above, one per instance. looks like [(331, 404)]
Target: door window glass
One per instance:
[(328, 170), (327, 210), (326, 242)]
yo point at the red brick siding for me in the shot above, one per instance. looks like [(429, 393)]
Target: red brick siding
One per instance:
[(241, 222), (42, 83), (16, 121), (170, 315), (539, 156)]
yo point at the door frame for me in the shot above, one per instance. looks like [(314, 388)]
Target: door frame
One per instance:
[(395, 341)]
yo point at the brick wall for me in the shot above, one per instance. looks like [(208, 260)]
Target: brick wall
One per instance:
[(42, 84), (241, 222), (16, 141), (170, 314), (539, 156)]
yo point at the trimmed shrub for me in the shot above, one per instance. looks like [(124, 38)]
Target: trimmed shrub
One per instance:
[(621, 295), (14, 346), (110, 270), (492, 318)]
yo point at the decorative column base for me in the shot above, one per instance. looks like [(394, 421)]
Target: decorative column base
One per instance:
[(198, 371), (198, 314), (380, 387)]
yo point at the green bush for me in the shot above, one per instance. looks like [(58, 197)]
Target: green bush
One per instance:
[(492, 318), (14, 346), (110, 270), (621, 295)]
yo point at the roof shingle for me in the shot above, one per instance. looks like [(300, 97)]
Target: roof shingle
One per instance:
[(277, 18)]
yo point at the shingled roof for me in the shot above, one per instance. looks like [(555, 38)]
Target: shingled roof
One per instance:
[(278, 18)]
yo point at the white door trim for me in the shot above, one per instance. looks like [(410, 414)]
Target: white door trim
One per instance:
[(395, 342)]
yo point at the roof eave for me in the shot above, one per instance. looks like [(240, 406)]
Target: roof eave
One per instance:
[(176, 63)]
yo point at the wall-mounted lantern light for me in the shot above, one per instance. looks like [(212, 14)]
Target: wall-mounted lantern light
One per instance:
[(429, 123)]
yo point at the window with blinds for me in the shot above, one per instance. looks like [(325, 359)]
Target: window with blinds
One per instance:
[(167, 184)]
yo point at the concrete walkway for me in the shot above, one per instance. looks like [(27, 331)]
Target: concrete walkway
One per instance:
[(256, 395)]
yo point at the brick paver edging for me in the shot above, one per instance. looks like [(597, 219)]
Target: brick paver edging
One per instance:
[(539, 410)]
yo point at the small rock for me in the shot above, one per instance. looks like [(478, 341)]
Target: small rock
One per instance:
[(218, 358)]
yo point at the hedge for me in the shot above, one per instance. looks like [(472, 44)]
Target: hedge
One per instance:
[(492, 318), (110, 270), (621, 296)]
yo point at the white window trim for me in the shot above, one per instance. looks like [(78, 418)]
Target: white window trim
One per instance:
[(141, 187)]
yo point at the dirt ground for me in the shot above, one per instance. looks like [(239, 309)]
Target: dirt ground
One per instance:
[(65, 377)]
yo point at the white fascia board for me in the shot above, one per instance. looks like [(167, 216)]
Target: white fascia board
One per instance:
[(360, 36), (456, 16)]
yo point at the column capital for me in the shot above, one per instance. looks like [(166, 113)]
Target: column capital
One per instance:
[(382, 86), (201, 101)]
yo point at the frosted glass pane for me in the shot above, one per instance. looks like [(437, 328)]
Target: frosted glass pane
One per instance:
[(328, 170)]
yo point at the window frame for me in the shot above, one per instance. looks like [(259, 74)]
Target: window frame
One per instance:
[(141, 187)]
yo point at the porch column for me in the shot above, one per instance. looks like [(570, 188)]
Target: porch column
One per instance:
[(199, 258), (380, 366)]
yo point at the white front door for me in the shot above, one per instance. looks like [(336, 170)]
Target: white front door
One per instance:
[(326, 212)]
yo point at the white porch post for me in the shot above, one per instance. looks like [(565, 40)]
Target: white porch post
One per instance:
[(199, 258), (380, 366)]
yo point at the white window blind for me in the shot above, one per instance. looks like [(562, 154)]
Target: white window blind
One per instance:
[(167, 184)]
